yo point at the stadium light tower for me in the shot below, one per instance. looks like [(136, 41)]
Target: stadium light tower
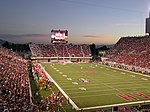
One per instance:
[(148, 24)]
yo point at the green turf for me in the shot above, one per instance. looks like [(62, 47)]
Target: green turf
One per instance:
[(103, 86), (35, 87)]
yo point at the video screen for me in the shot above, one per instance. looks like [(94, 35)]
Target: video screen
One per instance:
[(59, 36)]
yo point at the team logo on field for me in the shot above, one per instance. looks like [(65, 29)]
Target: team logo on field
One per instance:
[(83, 80)]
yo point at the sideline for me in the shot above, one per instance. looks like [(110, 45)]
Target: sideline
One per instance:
[(66, 96), (96, 107), (113, 105), (125, 70), (30, 88)]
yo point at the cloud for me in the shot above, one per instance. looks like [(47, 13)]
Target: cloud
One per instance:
[(22, 35), (96, 36), (25, 38), (45, 38)]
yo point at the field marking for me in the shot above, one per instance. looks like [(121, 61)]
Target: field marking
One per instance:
[(113, 81), (132, 75), (123, 73), (103, 94), (116, 88), (84, 96), (94, 85), (112, 88), (94, 107), (69, 79), (127, 97), (66, 96), (75, 83), (144, 79), (113, 105), (116, 81), (64, 75), (107, 69), (126, 71), (113, 84), (82, 88), (90, 91), (130, 85), (114, 71)]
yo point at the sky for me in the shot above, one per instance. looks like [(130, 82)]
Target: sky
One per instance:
[(88, 21)]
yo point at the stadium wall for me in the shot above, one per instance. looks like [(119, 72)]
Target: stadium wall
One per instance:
[(61, 59)]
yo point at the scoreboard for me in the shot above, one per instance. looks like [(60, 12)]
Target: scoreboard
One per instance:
[(59, 36)]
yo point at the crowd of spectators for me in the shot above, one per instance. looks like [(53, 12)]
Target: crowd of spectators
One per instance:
[(75, 50), (60, 50), (86, 50), (54, 101), (41, 50), (140, 108), (38, 68), (15, 94), (14, 86), (132, 53)]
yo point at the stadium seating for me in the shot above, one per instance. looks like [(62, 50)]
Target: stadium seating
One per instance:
[(14, 86), (15, 89), (86, 50), (132, 51), (60, 50)]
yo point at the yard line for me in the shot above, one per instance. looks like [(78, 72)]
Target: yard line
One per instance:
[(127, 71), (126, 82), (64, 75), (95, 84), (99, 94), (133, 84), (74, 83), (93, 95), (69, 79), (144, 79), (113, 88), (96, 91), (112, 81), (116, 87), (62, 91), (130, 85), (132, 75)]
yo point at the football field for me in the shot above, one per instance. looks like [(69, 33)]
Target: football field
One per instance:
[(94, 85)]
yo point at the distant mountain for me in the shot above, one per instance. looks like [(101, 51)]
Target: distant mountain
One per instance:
[(2, 41), (108, 46)]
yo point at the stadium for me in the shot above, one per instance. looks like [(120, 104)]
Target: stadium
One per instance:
[(64, 77)]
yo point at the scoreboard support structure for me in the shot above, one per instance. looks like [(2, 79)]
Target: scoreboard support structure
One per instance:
[(148, 24)]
